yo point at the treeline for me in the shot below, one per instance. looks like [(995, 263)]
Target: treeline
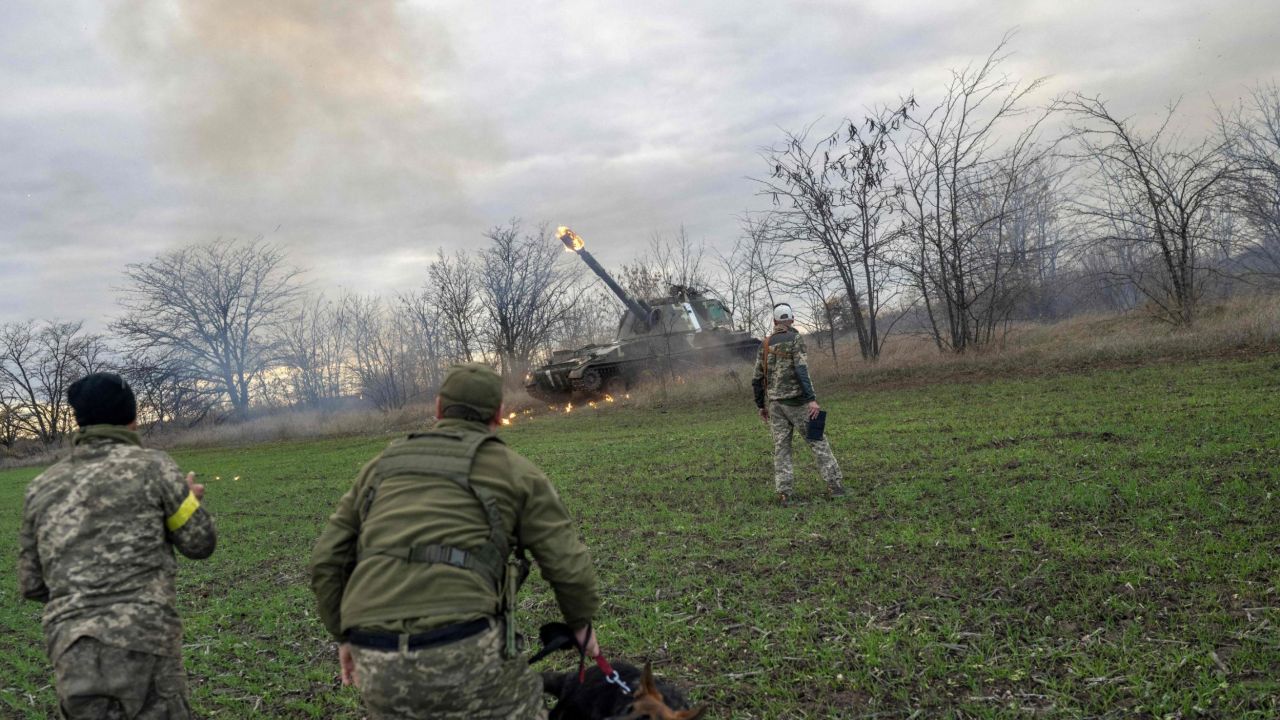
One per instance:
[(224, 330), (952, 220), (959, 217)]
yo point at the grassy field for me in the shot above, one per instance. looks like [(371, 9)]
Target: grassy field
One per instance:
[(1098, 544)]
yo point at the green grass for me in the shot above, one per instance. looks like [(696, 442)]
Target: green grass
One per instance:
[(1103, 544)]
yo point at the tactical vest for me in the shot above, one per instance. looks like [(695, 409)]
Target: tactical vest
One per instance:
[(449, 454)]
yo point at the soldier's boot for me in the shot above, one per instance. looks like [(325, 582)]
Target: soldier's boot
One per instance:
[(837, 493), (783, 499)]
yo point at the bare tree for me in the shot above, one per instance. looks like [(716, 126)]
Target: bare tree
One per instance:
[(10, 427), (430, 334), (1106, 272), (819, 286), (1038, 241), (524, 291), (167, 392), (641, 279), (870, 192), (678, 261), (808, 193), (453, 291), (313, 345), (592, 319), (1154, 194), (834, 196), (1251, 142), (959, 195), (217, 306), (750, 272), (37, 365), (384, 354), (664, 264), (731, 276)]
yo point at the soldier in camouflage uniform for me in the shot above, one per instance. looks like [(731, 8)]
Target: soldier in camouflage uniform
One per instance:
[(781, 379), (98, 533), (413, 572)]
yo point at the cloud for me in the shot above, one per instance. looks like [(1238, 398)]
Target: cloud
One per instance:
[(363, 136)]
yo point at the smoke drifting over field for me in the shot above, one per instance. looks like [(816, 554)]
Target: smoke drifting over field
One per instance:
[(298, 102)]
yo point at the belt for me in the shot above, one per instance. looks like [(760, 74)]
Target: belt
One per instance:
[(396, 641)]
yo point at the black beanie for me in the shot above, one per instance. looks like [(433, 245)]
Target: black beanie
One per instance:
[(102, 398)]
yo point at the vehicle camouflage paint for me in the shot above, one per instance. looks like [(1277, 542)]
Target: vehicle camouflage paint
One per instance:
[(678, 334)]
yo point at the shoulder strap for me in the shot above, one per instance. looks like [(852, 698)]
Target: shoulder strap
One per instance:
[(452, 460), (764, 363)]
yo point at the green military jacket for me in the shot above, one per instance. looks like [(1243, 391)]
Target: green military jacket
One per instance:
[(379, 592), (97, 539), (786, 377)]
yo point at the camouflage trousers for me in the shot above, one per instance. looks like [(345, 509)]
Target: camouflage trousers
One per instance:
[(468, 679), (96, 681), (784, 421)]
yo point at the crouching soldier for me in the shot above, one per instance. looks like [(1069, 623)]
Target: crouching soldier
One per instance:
[(96, 546), (415, 572)]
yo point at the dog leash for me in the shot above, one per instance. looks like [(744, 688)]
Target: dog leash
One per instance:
[(611, 676), (555, 636)]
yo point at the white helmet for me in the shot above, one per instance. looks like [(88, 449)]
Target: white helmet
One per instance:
[(782, 311)]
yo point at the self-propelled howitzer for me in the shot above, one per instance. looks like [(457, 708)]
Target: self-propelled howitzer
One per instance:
[(671, 336)]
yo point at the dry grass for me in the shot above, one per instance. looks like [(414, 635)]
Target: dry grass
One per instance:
[(694, 388), (1245, 326), (19, 461)]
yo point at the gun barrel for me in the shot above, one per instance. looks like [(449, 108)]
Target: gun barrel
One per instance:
[(637, 308), (574, 244)]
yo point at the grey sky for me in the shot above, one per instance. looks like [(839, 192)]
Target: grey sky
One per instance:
[(365, 136)]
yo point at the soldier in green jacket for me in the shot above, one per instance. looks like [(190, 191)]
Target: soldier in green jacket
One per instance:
[(98, 533), (416, 567), (781, 379)]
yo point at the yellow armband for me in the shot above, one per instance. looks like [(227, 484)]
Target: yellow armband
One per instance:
[(183, 513)]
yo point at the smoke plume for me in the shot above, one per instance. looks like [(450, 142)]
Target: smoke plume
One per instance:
[(312, 101)]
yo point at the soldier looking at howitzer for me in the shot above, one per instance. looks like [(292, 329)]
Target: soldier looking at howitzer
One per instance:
[(98, 533), (417, 571), (781, 379)]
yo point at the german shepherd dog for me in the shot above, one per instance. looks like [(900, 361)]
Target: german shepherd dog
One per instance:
[(595, 699)]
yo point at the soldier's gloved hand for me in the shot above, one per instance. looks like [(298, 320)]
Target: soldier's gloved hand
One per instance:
[(196, 488), (764, 414), (586, 638), (813, 409), (347, 664)]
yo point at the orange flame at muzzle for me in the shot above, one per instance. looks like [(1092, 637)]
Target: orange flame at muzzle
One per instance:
[(572, 243)]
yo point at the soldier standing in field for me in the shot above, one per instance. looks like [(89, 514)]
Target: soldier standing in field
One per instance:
[(781, 379), (96, 546), (415, 573)]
